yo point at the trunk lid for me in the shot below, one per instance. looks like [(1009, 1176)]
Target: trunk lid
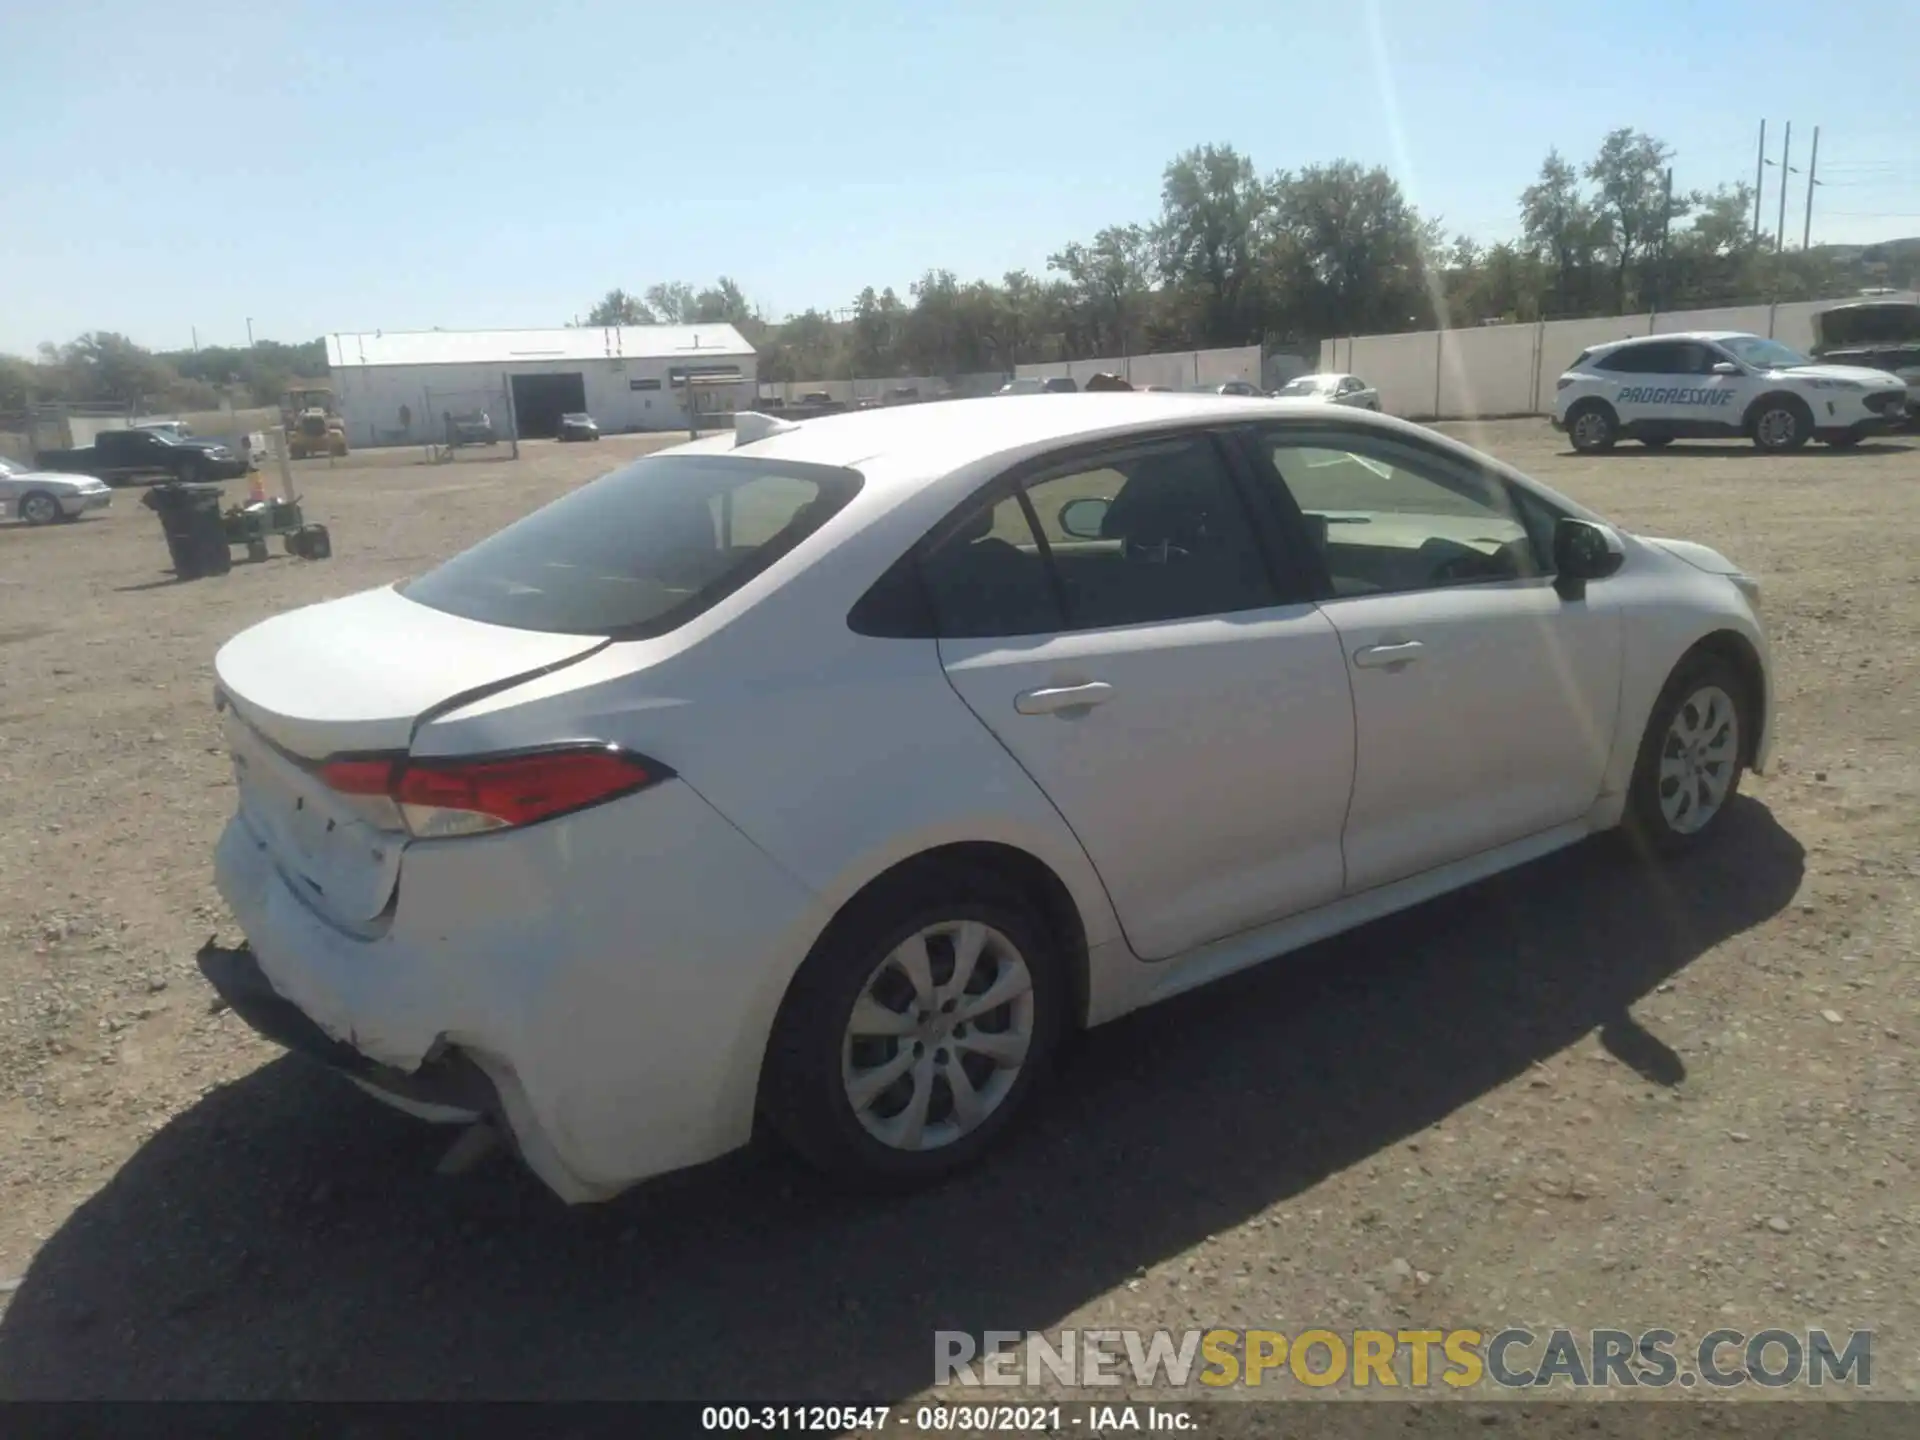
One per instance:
[(355, 675), (347, 677)]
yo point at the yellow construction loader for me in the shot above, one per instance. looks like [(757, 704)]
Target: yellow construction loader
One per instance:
[(311, 424)]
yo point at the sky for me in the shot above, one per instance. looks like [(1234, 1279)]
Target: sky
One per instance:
[(173, 172)]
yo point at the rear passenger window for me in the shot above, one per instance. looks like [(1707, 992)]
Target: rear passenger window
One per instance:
[(989, 577), (1667, 358)]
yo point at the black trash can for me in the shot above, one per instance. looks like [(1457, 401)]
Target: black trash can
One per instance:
[(196, 535)]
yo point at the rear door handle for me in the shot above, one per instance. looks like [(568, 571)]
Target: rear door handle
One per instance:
[(1388, 657), (1061, 697)]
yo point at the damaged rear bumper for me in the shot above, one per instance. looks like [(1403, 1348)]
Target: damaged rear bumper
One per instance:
[(448, 1087)]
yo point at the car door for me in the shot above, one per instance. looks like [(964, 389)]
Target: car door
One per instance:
[(1484, 702), (1113, 619), (1686, 393)]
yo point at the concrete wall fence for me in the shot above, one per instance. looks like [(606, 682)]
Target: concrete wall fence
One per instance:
[(1510, 369), (845, 392), (1177, 369)]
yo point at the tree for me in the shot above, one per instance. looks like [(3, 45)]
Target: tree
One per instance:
[(1111, 280), (617, 307), (1560, 226), (1212, 211), (19, 383), (720, 304), (1352, 248), (878, 324), (103, 365), (672, 302), (1012, 318), (1632, 205)]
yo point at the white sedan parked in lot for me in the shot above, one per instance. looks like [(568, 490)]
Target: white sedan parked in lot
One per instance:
[(1338, 389), (40, 497), (829, 771)]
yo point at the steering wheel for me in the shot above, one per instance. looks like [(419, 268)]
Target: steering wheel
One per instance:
[(1468, 565), (1157, 553)]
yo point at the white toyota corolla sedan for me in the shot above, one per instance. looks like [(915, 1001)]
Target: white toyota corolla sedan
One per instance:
[(829, 771)]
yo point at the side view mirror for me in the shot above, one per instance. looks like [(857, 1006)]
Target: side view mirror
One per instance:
[(1583, 551), (1725, 367), (1082, 518)]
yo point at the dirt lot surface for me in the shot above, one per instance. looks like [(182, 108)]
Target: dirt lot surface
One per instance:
[(1589, 1093)]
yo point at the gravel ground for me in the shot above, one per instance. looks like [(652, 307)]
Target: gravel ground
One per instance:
[(1588, 1093)]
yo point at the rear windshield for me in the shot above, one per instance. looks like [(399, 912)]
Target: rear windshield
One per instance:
[(642, 550)]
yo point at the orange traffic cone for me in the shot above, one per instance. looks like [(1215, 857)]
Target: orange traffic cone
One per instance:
[(256, 489)]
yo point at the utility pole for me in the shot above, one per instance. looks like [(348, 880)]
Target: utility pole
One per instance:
[(249, 332), (1813, 168), (1759, 181), (1786, 149), (1665, 296)]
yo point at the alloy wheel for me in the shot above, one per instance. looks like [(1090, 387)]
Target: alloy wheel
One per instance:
[(1698, 758), (938, 1035), (1777, 428)]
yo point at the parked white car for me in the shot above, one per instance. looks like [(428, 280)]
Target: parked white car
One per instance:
[(830, 771), (40, 497), (1715, 383), (1339, 389)]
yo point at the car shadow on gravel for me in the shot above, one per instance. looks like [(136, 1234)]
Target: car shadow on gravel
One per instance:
[(287, 1237)]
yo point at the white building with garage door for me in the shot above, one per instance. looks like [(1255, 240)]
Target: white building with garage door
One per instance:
[(400, 387)]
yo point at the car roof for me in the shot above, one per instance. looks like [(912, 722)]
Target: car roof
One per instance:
[(943, 436), (1632, 340)]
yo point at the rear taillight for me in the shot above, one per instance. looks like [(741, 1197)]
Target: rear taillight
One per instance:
[(441, 798)]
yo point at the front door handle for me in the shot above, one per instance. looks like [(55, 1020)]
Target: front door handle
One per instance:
[(1388, 657), (1053, 700)]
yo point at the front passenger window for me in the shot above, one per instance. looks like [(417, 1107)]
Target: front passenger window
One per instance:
[(1387, 519)]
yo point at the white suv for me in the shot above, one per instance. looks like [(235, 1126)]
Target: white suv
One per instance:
[(1710, 384)]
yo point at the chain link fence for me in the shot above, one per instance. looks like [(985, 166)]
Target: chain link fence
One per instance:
[(468, 424)]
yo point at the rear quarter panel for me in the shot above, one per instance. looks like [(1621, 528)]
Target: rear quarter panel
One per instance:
[(838, 755)]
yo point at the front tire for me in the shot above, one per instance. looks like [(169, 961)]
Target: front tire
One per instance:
[(1844, 441), (37, 507), (1782, 423), (1656, 442), (1691, 757), (1592, 427), (918, 1030)]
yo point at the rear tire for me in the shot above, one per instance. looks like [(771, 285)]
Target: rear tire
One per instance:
[(884, 1079), (1656, 442), (1691, 757), (1781, 423), (1592, 427), (1842, 442), (37, 507)]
